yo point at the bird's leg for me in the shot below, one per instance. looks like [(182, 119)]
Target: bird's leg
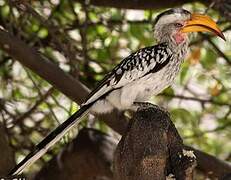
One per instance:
[(142, 105)]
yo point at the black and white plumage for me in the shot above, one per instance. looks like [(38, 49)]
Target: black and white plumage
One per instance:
[(139, 76), (133, 81)]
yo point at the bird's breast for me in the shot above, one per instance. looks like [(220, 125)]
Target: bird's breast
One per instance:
[(154, 83)]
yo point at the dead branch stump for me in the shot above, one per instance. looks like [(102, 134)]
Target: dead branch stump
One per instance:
[(151, 149)]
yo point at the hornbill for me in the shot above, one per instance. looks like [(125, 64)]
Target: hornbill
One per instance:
[(142, 74)]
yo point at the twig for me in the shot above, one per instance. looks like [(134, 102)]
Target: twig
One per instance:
[(209, 7), (218, 50), (34, 107), (211, 101), (53, 31), (219, 128), (107, 23), (40, 94)]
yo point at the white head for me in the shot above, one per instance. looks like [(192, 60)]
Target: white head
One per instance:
[(173, 25)]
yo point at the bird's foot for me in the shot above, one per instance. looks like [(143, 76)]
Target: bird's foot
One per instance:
[(143, 105)]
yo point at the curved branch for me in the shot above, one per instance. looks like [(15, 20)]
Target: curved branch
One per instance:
[(49, 71), (211, 165), (137, 4), (223, 6)]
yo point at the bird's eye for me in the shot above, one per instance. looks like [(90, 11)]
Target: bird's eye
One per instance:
[(178, 25)]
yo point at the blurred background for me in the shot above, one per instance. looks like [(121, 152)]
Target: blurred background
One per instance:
[(86, 39)]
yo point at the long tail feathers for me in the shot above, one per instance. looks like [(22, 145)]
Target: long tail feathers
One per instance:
[(50, 140)]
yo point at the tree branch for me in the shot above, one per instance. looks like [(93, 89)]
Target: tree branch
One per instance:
[(226, 58), (152, 149), (137, 4), (223, 6), (210, 165), (33, 60), (33, 108), (203, 101), (49, 71)]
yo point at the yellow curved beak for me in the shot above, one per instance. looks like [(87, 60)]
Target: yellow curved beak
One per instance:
[(202, 23)]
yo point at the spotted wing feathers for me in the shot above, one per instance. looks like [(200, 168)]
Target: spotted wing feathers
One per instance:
[(137, 65)]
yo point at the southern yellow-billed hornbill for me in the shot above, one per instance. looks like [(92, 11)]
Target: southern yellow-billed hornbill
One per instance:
[(142, 74)]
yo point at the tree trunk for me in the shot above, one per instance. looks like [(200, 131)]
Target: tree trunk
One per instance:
[(152, 149)]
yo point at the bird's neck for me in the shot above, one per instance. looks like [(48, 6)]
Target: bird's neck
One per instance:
[(179, 50)]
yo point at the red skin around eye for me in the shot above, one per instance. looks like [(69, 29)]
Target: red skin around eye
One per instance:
[(179, 37)]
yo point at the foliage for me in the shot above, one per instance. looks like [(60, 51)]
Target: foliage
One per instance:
[(87, 42)]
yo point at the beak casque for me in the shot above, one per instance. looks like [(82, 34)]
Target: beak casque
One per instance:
[(202, 23)]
